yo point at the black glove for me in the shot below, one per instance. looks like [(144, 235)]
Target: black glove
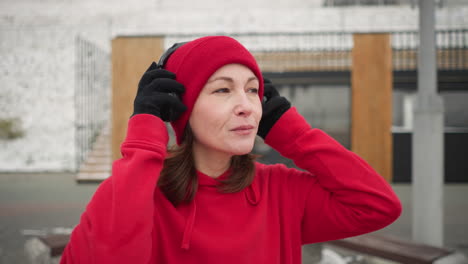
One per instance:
[(274, 106), (159, 95)]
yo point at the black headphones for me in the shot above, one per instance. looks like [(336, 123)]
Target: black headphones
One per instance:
[(163, 60)]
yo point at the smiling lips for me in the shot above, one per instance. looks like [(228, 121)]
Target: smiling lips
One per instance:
[(243, 130)]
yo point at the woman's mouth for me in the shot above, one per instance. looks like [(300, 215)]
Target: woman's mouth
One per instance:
[(243, 130)]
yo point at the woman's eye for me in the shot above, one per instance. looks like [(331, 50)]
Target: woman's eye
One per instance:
[(253, 90), (222, 90)]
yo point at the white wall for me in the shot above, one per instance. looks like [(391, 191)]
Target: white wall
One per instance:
[(37, 52), (37, 77)]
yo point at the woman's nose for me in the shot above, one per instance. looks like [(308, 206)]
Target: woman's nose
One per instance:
[(243, 106)]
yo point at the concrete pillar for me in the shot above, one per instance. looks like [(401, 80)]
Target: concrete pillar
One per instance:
[(428, 137)]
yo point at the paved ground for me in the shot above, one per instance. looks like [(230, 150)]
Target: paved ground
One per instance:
[(37, 202), (44, 201)]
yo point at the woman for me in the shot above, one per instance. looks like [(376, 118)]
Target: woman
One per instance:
[(207, 201)]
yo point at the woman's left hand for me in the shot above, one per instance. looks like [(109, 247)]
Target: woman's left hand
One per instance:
[(274, 106)]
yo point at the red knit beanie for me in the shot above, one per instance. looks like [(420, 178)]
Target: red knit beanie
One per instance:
[(195, 62)]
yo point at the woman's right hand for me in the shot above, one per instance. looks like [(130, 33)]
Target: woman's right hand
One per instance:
[(159, 95)]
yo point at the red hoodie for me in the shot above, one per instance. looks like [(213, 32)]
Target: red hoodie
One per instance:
[(128, 220)]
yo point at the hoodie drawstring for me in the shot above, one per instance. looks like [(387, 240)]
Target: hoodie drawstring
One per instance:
[(189, 226), (252, 194)]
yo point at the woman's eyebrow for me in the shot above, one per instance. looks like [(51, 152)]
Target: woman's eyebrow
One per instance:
[(229, 79), (253, 78)]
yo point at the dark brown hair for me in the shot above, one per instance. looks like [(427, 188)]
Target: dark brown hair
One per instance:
[(178, 180)]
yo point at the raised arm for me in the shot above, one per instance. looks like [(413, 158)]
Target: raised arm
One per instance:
[(339, 195), (117, 225)]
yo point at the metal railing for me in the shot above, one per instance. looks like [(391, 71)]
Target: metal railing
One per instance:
[(331, 51), (290, 51), (92, 95), (452, 50)]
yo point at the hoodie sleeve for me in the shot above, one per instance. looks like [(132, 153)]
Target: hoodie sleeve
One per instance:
[(118, 222), (339, 195)]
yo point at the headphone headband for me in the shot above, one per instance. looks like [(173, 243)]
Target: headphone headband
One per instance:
[(163, 60)]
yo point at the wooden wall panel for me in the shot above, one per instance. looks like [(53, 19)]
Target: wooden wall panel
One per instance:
[(371, 118), (131, 56)]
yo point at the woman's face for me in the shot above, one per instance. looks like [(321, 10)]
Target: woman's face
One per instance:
[(226, 114)]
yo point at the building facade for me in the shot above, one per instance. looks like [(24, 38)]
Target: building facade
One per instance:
[(55, 61)]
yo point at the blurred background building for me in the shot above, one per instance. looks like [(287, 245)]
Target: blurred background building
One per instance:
[(56, 74), (55, 64)]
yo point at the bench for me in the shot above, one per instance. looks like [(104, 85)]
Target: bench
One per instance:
[(398, 250), (56, 243), (46, 249), (382, 246)]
